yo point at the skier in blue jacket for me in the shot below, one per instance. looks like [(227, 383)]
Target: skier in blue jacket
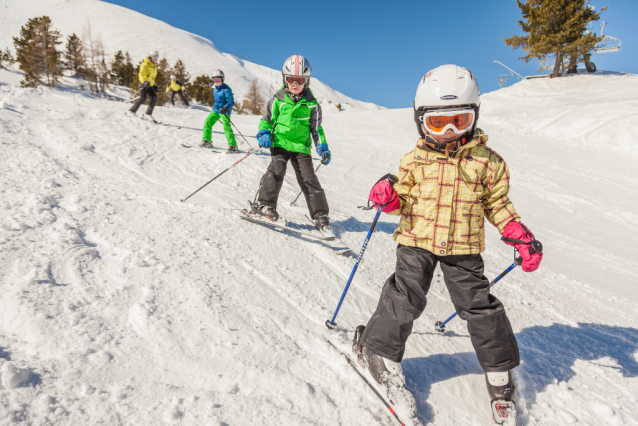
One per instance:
[(222, 108)]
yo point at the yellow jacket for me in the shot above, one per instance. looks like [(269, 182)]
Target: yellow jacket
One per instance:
[(444, 201), (148, 72), (174, 86)]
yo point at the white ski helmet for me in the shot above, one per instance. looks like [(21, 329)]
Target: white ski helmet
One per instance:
[(447, 86), (153, 54), (297, 66), (173, 77), (217, 73)]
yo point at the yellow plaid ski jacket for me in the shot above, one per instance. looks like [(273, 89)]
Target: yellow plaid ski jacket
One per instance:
[(444, 200)]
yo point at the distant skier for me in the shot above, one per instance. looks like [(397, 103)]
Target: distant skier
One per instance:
[(176, 88), (147, 87), (291, 121), (222, 108), (446, 187)]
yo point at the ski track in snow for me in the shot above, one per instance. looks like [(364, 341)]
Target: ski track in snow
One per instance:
[(122, 305)]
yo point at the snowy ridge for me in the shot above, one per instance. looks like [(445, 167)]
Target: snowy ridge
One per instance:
[(127, 30), (121, 305)]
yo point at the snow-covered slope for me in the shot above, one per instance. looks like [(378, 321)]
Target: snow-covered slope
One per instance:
[(121, 305), (123, 29)]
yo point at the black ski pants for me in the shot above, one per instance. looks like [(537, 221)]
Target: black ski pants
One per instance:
[(403, 299), (272, 181), (145, 91), (181, 95)]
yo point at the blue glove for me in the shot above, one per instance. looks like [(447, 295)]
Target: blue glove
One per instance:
[(263, 136), (324, 153)]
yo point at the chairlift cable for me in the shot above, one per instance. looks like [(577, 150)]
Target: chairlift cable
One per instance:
[(622, 12), (629, 34)]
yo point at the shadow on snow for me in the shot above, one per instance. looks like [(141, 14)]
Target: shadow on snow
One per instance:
[(355, 225), (547, 353)]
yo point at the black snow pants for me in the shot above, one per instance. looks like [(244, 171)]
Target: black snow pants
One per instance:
[(272, 181), (144, 91), (181, 95), (403, 299)]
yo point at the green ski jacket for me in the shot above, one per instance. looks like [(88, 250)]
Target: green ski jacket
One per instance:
[(294, 126)]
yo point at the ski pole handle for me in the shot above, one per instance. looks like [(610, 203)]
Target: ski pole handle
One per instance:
[(440, 326)]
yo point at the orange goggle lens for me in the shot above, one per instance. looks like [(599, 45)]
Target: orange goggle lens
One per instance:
[(437, 123)]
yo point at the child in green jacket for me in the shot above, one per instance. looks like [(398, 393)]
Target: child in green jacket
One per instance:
[(291, 123)]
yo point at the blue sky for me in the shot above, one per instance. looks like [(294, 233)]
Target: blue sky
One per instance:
[(377, 51)]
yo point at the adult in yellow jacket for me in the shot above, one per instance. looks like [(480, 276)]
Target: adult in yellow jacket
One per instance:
[(147, 87), (176, 88)]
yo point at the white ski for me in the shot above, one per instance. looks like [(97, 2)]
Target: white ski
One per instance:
[(286, 225), (398, 413)]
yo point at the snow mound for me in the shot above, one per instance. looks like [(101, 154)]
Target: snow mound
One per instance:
[(126, 30), (598, 110)]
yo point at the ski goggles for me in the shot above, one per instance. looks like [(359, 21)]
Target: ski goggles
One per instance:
[(217, 79), (290, 79), (439, 121)]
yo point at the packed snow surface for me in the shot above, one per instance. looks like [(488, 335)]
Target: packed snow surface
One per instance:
[(119, 304), (123, 29)]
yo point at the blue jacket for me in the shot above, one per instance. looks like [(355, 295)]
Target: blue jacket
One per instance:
[(223, 97)]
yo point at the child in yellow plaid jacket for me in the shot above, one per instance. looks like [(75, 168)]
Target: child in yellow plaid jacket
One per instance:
[(445, 189)]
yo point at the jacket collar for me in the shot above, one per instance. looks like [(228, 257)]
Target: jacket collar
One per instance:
[(424, 151), (282, 94)]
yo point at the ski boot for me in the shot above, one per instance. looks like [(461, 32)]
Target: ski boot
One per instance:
[(265, 212), (130, 114), (148, 117), (389, 375), (323, 225), (232, 149), (502, 390), (206, 144)]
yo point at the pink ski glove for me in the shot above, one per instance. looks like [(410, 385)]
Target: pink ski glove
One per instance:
[(517, 235), (383, 194)]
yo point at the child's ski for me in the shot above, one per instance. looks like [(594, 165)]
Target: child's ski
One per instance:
[(356, 368), (286, 225)]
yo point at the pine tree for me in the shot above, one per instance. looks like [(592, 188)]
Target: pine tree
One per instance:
[(556, 27), (37, 53), (74, 55), (201, 89), (254, 102), (6, 58), (179, 69), (162, 80), (122, 70)]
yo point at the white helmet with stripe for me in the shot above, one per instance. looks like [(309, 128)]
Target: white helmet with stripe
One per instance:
[(153, 54), (447, 86), (297, 66)]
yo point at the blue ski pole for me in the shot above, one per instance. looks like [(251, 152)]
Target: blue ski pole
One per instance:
[(440, 326), (331, 323), (535, 246)]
